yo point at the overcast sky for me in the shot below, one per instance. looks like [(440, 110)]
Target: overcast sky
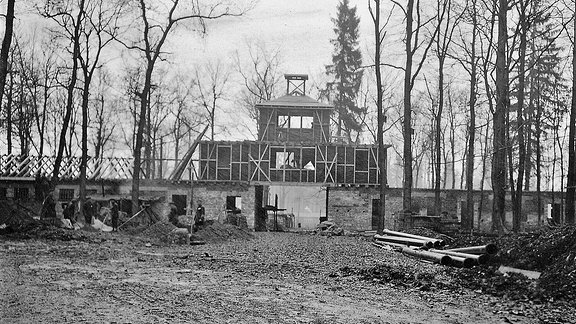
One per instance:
[(302, 29)]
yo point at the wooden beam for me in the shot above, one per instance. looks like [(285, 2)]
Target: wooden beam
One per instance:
[(179, 170)]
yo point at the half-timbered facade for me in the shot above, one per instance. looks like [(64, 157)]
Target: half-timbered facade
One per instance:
[(294, 145)]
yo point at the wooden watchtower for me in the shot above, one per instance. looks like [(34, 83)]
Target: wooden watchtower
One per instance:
[(294, 145), (294, 117)]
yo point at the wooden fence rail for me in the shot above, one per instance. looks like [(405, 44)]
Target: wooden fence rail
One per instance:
[(110, 168)]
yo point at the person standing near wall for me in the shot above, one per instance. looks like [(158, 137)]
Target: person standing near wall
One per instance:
[(88, 211), (49, 207), (70, 212), (114, 214), (200, 217)]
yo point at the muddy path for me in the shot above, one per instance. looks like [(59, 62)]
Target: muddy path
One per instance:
[(273, 278)]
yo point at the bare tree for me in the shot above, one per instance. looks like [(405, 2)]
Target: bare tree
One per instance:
[(5, 50), (414, 26), (260, 78), (157, 22), (499, 121), (105, 110), (98, 28), (379, 35), (471, 67), (446, 25), (211, 85), (69, 19), (48, 76), (185, 118), (571, 178)]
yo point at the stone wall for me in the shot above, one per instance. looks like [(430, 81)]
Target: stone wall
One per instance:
[(211, 195), (213, 198), (351, 207)]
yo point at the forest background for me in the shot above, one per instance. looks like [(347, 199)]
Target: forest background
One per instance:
[(85, 64)]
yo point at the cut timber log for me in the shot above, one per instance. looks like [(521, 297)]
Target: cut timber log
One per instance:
[(437, 242), (404, 240), (478, 259), (482, 249), (528, 273)]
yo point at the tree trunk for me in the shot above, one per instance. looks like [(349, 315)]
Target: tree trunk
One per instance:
[(5, 51), (9, 115), (468, 222), (500, 113), (70, 93), (84, 158), (139, 138), (147, 140), (382, 176), (538, 161), (437, 137), (517, 203), (407, 124), (571, 180), (452, 147), (529, 121)]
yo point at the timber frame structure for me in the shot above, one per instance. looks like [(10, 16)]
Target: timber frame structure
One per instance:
[(253, 161), (294, 146)]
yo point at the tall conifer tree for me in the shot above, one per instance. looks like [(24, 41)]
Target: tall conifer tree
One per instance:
[(344, 71)]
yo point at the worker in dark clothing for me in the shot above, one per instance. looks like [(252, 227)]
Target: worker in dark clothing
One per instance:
[(70, 212), (173, 216), (88, 211), (199, 218), (114, 212), (49, 207)]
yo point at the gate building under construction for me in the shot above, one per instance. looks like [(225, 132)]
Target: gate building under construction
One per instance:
[(295, 158)]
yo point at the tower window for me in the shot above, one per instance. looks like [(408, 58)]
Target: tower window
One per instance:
[(297, 122), (283, 121)]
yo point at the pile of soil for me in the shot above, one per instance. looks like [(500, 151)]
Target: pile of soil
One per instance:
[(217, 232), (15, 217), (551, 251), (395, 275), (158, 230), (166, 232)]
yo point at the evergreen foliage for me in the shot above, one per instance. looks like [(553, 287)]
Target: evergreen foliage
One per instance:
[(345, 71)]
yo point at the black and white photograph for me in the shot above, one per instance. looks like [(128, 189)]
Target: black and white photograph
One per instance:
[(288, 161)]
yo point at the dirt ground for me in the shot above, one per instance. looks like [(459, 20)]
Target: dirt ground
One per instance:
[(272, 278)]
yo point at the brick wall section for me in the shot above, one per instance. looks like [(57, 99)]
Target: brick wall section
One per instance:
[(351, 207), (213, 198)]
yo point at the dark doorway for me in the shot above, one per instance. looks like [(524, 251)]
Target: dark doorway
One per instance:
[(180, 203), (259, 212), (375, 213), (557, 213)]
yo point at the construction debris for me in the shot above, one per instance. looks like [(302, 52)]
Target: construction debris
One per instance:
[(529, 274), (328, 228)]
